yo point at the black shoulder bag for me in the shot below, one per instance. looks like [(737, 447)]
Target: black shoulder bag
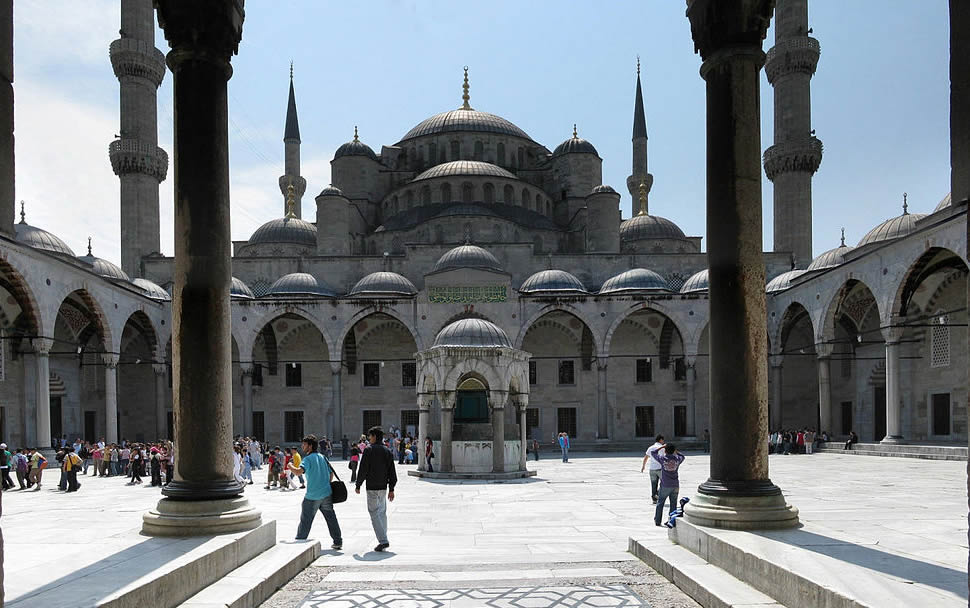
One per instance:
[(338, 491)]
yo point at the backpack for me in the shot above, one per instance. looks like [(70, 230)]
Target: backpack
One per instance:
[(21, 464)]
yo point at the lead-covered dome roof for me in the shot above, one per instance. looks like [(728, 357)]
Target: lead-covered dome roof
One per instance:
[(464, 167), (635, 279), (698, 282), (152, 290), (472, 333), (832, 257), (893, 228), (300, 284), (644, 227), (552, 281), (355, 148), (40, 239), (240, 291), (783, 281), (464, 120), (603, 188), (104, 268), (575, 145), (289, 230), (946, 202), (383, 283), (467, 256)]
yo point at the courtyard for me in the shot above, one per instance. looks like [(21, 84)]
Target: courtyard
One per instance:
[(559, 538)]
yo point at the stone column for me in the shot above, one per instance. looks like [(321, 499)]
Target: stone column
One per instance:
[(894, 429), (204, 497), (774, 418), (447, 400), (336, 391), (691, 363), (42, 418), (523, 432), (602, 401), (110, 397), (824, 353), (424, 412), (498, 399), (161, 408), (7, 192), (247, 395), (959, 94), (738, 494)]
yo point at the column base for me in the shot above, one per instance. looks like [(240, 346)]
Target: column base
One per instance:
[(200, 517), (894, 439), (761, 509)]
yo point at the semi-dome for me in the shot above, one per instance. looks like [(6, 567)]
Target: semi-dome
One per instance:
[(152, 290), (575, 145), (289, 230), (603, 188), (355, 147), (384, 283), (783, 281), (464, 120), (698, 282), (464, 167), (240, 291), (946, 202), (40, 239), (832, 257), (300, 284), (645, 227), (552, 281), (892, 228), (636, 279), (467, 256), (331, 190), (104, 268), (472, 333)]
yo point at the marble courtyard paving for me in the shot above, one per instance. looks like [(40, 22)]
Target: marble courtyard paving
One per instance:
[(556, 539)]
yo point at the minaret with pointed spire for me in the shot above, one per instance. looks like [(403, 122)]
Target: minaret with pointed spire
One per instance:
[(291, 177), (640, 176)]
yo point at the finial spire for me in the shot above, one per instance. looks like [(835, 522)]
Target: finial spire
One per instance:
[(643, 198), (89, 245), (638, 65), (291, 69), (905, 204), (575, 134), (465, 96), (843, 238), (290, 202), (23, 216), (356, 139), (291, 128)]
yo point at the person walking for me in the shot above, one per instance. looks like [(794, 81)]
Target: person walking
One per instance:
[(37, 465), (72, 462), (429, 453), (564, 446), (20, 466), (5, 461), (655, 467), (344, 448), (319, 496), (377, 471), (707, 441), (535, 448), (809, 441), (354, 461), (669, 461)]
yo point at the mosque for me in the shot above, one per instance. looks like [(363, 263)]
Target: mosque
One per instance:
[(469, 275)]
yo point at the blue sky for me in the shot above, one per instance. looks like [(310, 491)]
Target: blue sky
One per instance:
[(880, 100)]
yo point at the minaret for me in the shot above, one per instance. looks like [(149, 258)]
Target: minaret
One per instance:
[(135, 156), (796, 155), (291, 152), (640, 175)]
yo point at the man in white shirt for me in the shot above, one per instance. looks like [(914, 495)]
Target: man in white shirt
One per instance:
[(655, 467)]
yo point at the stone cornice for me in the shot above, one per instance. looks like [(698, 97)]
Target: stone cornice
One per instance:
[(716, 24), (790, 156), (792, 56), (132, 156), (205, 29), (135, 58)]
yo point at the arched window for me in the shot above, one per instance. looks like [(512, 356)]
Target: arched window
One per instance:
[(548, 207), (500, 154), (467, 193), (432, 153), (455, 150), (445, 193), (539, 203), (479, 150), (410, 199), (442, 155), (526, 198), (425, 195), (508, 196), (521, 154), (489, 193)]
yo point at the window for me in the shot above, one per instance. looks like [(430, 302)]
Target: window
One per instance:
[(680, 369), (680, 421), (566, 420), (292, 427), (567, 372), (409, 422), (257, 374), (531, 420), (445, 193), (941, 413), (432, 152), (467, 193), (533, 374), (259, 426), (371, 418), (500, 154), (425, 195), (294, 374), (489, 193), (455, 150), (644, 424), (644, 371), (479, 150), (372, 374), (940, 342), (408, 373), (521, 154)]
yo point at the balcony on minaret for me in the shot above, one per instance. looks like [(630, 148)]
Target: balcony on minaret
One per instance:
[(134, 156)]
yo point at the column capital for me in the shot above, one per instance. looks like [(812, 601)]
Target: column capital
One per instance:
[(447, 399), (892, 334), (42, 346), (497, 399), (690, 361), (425, 400), (716, 25), (776, 360), (110, 360), (336, 367), (601, 362), (247, 368), (207, 31), (823, 350), (160, 369)]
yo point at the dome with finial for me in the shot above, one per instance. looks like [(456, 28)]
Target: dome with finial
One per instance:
[(240, 291), (832, 257), (300, 284), (643, 226), (383, 284), (39, 238), (152, 290), (355, 147), (287, 230), (552, 282), (467, 256), (893, 228), (575, 145), (946, 202), (104, 268), (783, 281), (698, 282), (635, 279), (331, 190), (603, 188), (472, 333)]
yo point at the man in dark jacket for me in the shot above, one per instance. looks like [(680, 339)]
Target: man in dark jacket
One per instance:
[(376, 468)]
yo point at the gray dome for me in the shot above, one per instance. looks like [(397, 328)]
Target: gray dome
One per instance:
[(698, 282), (240, 291), (603, 188), (355, 148), (831, 258), (644, 227), (300, 284), (286, 230), (41, 239), (331, 190), (464, 120), (636, 279), (152, 290), (467, 256), (946, 202), (575, 145), (474, 333), (892, 228), (464, 167), (383, 283), (546, 281), (783, 281), (104, 268)]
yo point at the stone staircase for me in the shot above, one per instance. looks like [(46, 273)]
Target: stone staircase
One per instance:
[(898, 450)]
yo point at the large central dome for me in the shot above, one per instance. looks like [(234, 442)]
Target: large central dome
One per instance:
[(464, 120)]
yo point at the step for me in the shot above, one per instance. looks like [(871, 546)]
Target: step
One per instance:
[(927, 452), (710, 586), (255, 581)]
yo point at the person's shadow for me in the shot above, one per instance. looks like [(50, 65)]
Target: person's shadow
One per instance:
[(374, 556)]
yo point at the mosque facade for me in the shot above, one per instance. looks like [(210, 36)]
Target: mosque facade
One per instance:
[(470, 239)]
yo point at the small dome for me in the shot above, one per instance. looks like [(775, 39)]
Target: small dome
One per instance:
[(240, 291), (355, 148), (464, 120), (467, 256), (300, 284), (104, 268), (831, 258), (892, 228), (645, 227), (603, 188), (383, 283), (464, 167), (286, 230), (474, 333), (41, 239), (783, 281), (331, 190), (946, 202), (698, 282), (546, 281), (152, 290), (637, 279), (575, 145)]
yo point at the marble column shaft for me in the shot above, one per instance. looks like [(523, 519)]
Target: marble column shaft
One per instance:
[(336, 395), (110, 398), (691, 397), (602, 401), (824, 394), (447, 418), (498, 439), (42, 378), (423, 415), (161, 407), (7, 169), (523, 437), (893, 409), (774, 419), (247, 395)]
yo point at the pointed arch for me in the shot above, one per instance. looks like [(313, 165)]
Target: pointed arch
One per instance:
[(560, 307)]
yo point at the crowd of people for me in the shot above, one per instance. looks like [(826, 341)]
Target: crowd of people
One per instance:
[(795, 441)]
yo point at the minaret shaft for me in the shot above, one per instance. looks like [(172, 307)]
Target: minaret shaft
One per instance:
[(291, 159), (641, 175)]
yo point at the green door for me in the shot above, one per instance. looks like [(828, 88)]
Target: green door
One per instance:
[(472, 406)]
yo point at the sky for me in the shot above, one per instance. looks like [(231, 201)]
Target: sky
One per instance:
[(880, 100)]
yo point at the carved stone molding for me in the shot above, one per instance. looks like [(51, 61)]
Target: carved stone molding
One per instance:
[(201, 30), (133, 156), (791, 156), (715, 24), (136, 58), (794, 55)]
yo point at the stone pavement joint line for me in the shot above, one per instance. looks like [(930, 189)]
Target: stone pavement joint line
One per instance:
[(515, 597), (469, 575)]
